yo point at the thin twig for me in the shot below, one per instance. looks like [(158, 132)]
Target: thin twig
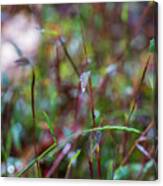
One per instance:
[(58, 160), (134, 104), (33, 116), (90, 162), (57, 70), (70, 58), (136, 142), (138, 89), (98, 161)]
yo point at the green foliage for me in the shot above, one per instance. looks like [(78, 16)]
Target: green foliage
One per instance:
[(86, 11), (8, 145), (79, 43), (98, 21), (50, 125), (53, 148), (74, 157), (124, 13), (16, 131), (125, 172), (118, 128), (152, 47)]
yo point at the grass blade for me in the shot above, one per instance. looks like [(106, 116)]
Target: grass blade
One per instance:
[(50, 126), (58, 147)]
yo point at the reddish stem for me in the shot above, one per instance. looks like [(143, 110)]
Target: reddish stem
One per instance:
[(33, 115), (90, 168), (57, 69), (98, 163)]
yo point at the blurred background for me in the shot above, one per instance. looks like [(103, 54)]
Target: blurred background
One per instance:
[(109, 42)]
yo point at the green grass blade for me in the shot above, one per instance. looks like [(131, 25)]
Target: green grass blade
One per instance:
[(108, 127), (50, 126), (55, 148)]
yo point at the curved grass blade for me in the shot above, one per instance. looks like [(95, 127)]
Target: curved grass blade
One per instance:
[(50, 126), (55, 148)]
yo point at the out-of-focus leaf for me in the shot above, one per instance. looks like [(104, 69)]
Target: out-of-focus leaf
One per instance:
[(98, 21), (49, 14), (152, 45), (69, 25), (17, 132), (5, 80), (53, 96), (124, 14), (86, 12), (8, 96), (110, 170), (97, 116), (8, 144), (95, 80), (66, 71), (67, 132), (125, 172), (22, 107), (151, 81), (148, 166)]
